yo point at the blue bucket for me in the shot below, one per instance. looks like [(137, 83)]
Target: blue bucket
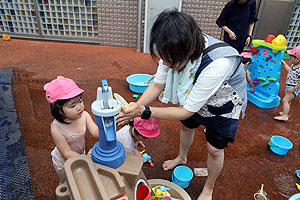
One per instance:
[(280, 145), (295, 197), (137, 82), (182, 176)]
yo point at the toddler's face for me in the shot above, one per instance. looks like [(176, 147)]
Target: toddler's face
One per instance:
[(295, 60), (74, 108)]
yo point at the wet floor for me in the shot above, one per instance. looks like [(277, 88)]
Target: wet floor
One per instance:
[(248, 161)]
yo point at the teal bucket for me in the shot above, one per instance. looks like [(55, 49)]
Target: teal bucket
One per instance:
[(295, 197), (182, 176), (137, 82), (280, 145)]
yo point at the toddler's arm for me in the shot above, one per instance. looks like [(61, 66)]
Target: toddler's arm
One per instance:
[(91, 125), (61, 142), (137, 153), (293, 89), (286, 66)]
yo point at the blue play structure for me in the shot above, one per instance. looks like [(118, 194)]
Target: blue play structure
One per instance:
[(265, 73), (108, 151)]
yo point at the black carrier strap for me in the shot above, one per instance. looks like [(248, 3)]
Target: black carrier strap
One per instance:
[(206, 60), (214, 46)]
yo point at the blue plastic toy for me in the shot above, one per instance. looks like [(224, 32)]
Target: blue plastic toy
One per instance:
[(108, 151), (280, 145), (265, 67), (147, 158), (182, 176), (295, 197), (137, 82), (298, 173)]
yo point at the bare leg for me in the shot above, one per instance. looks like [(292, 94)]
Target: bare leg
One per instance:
[(186, 140), (249, 81), (215, 162), (285, 93), (286, 104)]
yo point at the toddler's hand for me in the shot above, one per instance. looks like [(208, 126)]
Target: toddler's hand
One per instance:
[(90, 152), (290, 90)]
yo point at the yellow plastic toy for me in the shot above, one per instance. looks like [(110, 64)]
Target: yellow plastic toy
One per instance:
[(298, 186), (6, 37), (261, 194), (160, 192), (279, 41), (121, 101)]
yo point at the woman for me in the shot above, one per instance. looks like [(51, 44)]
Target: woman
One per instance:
[(205, 77), (237, 20)]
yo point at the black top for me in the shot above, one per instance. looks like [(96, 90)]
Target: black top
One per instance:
[(237, 17)]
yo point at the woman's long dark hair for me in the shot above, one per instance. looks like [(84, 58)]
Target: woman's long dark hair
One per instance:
[(176, 38)]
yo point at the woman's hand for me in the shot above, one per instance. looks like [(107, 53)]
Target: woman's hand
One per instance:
[(232, 35), (135, 110), (248, 40)]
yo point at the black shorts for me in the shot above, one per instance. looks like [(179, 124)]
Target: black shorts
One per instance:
[(219, 130)]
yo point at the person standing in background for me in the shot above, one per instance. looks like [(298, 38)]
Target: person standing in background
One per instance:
[(237, 20)]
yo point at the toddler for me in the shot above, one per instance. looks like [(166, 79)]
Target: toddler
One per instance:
[(247, 57), (70, 122), (133, 134), (292, 83)]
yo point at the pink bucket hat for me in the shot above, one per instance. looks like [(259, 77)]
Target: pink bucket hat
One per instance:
[(246, 55), (147, 128), (294, 52), (61, 88)]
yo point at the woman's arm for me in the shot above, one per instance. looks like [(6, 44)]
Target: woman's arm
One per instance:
[(167, 113), (252, 19), (231, 34), (223, 20), (91, 125), (61, 142), (151, 93), (249, 37)]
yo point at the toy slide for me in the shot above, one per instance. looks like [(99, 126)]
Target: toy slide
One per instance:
[(89, 180), (265, 71), (112, 179), (81, 173), (92, 181)]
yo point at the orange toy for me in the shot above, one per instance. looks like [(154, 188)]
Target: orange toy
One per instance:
[(6, 37)]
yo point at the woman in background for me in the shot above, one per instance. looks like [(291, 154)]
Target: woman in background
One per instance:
[(237, 20)]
